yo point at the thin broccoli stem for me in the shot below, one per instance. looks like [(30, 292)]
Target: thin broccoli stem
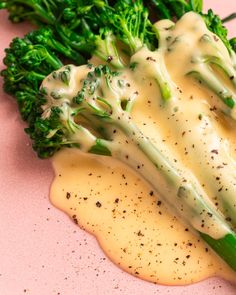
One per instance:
[(229, 17), (206, 76), (53, 61), (164, 87), (73, 55), (185, 195), (161, 7), (132, 41), (174, 178), (37, 76), (75, 41), (225, 67), (45, 16), (224, 247), (106, 50), (154, 67)]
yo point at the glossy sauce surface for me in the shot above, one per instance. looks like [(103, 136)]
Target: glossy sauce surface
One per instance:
[(130, 219)]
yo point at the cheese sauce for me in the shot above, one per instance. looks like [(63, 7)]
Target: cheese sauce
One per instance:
[(131, 221)]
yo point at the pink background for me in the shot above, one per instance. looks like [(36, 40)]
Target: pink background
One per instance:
[(41, 251)]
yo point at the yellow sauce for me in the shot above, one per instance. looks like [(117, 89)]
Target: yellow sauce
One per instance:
[(128, 217), (130, 221)]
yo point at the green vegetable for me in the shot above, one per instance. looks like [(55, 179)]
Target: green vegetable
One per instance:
[(27, 65), (33, 10), (216, 26), (80, 122), (129, 22), (200, 62), (78, 20), (75, 24), (233, 44), (74, 30), (171, 9), (139, 33), (229, 18), (196, 5), (46, 37), (205, 65), (207, 77)]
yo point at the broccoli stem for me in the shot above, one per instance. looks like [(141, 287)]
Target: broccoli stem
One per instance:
[(106, 50), (163, 11), (36, 76), (164, 86), (207, 77), (54, 61), (46, 16), (54, 44), (153, 64), (64, 50), (202, 64), (225, 247), (185, 195), (229, 17), (227, 68), (77, 42)]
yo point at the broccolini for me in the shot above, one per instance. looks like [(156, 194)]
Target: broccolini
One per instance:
[(75, 31)]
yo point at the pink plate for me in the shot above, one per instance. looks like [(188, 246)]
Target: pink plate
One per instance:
[(41, 251)]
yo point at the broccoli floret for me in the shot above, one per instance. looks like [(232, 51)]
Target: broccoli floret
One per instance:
[(36, 11), (80, 25), (27, 65), (129, 22)]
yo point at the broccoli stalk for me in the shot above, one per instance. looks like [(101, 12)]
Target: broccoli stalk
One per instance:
[(104, 103), (46, 37), (102, 45), (106, 49), (33, 10), (203, 70), (167, 9)]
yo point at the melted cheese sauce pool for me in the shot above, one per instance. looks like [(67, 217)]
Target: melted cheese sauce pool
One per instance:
[(111, 201), (130, 221)]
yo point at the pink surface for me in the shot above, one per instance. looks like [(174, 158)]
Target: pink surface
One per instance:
[(41, 251)]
